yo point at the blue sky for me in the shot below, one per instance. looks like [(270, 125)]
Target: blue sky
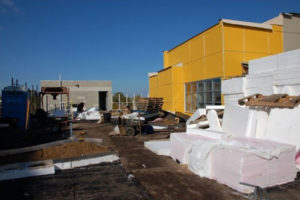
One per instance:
[(118, 40)]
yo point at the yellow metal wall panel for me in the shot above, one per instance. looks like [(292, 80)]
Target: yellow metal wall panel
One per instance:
[(233, 60), (233, 38), (257, 40), (177, 89), (216, 52), (196, 48), (213, 40), (153, 86), (164, 87), (276, 40), (166, 60)]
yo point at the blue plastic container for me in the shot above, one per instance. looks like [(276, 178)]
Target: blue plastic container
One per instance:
[(15, 102)]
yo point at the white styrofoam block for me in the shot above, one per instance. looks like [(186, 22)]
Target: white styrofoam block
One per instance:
[(261, 124), (205, 133), (262, 65), (284, 126), (199, 112), (257, 162), (85, 162), (238, 121), (287, 89), (214, 107), (233, 86), (159, 147), (232, 98), (289, 59), (213, 121), (27, 169), (261, 90), (181, 144), (259, 80)]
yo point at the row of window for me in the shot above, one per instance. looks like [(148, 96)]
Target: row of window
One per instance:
[(201, 93)]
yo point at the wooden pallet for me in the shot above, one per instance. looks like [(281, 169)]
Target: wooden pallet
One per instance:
[(273, 101)]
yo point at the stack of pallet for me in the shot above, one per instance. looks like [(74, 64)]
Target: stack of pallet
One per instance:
[(150, 104)]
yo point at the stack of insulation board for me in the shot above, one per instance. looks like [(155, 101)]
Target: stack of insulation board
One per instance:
[(287, 75), (237, 156), (253, 161), (276, 74), (233, 90), (232, 165)]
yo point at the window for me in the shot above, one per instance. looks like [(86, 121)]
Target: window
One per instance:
[(202, 93)]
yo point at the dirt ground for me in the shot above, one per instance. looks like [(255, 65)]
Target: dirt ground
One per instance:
[(160, 176), (68, 150), (107, 181)]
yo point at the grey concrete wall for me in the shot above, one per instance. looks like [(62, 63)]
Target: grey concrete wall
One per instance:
[(79, 91), (291, 30)]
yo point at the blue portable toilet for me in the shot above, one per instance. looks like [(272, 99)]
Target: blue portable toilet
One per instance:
[(15, 104)]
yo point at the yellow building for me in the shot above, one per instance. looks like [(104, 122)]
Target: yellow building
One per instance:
[(192, 73)]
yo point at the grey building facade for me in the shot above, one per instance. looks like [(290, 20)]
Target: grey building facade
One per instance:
[(95, 93), (291, 29)]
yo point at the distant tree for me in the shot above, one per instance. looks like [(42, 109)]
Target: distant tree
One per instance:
[(116, 97)]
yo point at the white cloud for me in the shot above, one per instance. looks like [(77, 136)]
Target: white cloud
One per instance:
[(9, 4)]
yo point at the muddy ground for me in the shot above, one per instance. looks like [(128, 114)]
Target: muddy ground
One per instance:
[(160, 177), (105, 181)]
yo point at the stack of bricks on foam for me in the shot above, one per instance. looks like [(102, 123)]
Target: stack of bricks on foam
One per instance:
[(150, 104)]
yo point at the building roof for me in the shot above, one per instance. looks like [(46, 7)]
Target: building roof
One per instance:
[(233, 22)]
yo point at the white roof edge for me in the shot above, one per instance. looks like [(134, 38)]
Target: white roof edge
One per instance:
[(251, 24), (150, 74)]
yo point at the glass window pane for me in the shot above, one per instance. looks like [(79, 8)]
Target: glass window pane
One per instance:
[(208, 97), (217, 85), (200, 86), (194, 101), (208, 86), (194, 88), (217, 97)]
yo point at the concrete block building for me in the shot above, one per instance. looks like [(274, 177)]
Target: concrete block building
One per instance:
[(96, 94), (193, 70)]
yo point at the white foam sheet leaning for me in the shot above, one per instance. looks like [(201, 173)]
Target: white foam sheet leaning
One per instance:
[(262, 118), (159, 147), (238, 121), (213, 121), (284, 126), (196, 115)]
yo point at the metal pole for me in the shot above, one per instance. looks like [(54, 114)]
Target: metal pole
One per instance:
[(119, 102), (60, 85)]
